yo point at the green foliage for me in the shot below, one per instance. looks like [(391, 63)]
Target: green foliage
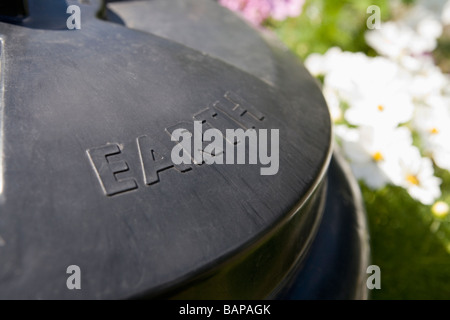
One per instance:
[(442, 53), (409, 245), (325, 24)]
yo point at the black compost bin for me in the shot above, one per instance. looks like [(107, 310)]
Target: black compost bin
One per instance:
[(88, 178)]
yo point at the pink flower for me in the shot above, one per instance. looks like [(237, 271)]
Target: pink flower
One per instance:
[(233, 5), (257, 11), (283, 9)]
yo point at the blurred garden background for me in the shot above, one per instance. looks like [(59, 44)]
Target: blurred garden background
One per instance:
[(387, 85)]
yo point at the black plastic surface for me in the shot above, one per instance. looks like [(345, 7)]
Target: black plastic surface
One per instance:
[(77, 103), (335, 268)]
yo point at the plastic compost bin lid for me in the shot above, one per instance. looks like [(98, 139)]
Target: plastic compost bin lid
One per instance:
[(87, 176)]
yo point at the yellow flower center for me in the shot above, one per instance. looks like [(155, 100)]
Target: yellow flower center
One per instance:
[(412, 179), (377, 156), (434, 130), (380, 108)]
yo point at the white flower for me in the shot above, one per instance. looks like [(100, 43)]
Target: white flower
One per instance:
[(347, 72), (446, 13), (395, 40), (315, 63), (333, 103), (382, 109), (441, 153), (319, 64), (335, 65), (425, 18), (416, 175), (409, 39), (377, 91), (381, 93), (374, 154), (432, 122), (427, 84), (381, 157), (437, 9), (433, 126), (392, 40)]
